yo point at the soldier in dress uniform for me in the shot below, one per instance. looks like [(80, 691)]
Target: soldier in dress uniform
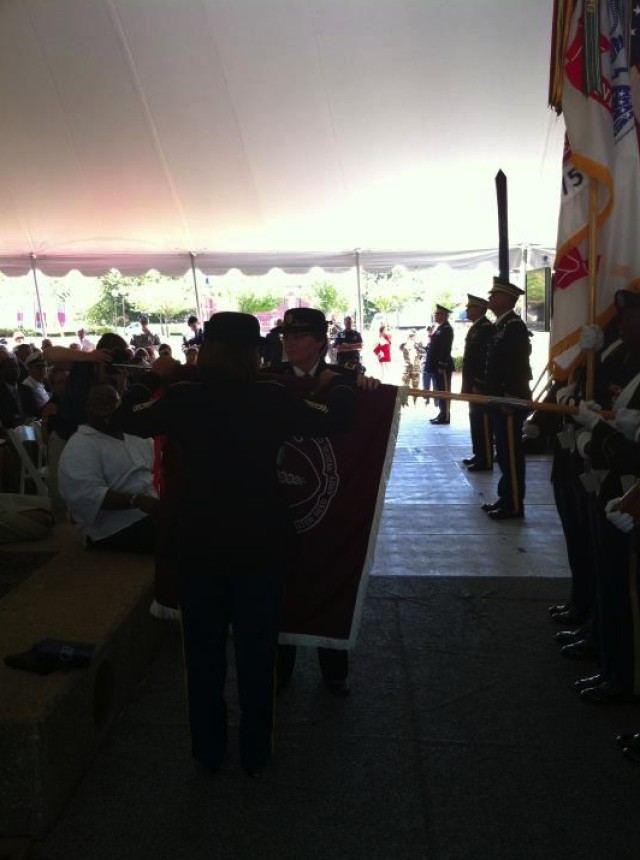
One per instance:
[(304, 332), (508, 375), (613, 452), (474, 368), (439, 362), (227, 428)]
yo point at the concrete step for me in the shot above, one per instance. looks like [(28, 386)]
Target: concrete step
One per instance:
[(52, 725)]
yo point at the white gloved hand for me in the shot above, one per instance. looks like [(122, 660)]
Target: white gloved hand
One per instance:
[(591, 337), (588, 414), (627, 422), (619, 519), (582, 439), (530, 430), (566, 396)]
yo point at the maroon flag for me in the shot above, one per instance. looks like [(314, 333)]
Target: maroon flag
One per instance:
[(335, 488)]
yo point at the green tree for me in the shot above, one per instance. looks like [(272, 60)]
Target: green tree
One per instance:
[(110, 309), (386, 292), (327, 298), (252, 303)]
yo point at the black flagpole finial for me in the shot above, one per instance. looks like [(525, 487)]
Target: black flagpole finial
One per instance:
[(503, 225)]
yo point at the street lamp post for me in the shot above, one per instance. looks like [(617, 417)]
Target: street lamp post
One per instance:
[(120, 292)]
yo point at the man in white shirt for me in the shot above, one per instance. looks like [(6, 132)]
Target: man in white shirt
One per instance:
[(37, 367), (84, 343), (106, 479)]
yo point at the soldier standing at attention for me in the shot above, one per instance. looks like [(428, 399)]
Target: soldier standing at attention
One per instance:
[(439, 362), (474, 368), (508, 375)]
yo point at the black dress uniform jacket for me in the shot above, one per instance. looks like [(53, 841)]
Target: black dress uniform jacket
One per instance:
[(508, 371), (439, 351), (225, 497), (474, 362)]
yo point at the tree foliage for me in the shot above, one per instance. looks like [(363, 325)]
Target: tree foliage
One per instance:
[(327, 298), (123, 298), (252, 303)]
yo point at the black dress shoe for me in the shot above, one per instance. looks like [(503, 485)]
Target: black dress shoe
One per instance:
[(476, 467), (632, 751), (570, 616), (583, 649), (592, 681), (567, 637), (438, 420), (628, 739), (559, 607), (606, 693), (468, 461), (492, 506), (339, 689), (505, 514)]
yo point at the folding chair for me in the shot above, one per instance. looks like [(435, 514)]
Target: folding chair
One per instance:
[(29, 470)]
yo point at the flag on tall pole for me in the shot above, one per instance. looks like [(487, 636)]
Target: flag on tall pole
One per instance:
[(594, 86)]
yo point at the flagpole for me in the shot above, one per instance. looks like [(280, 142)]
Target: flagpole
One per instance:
[(592, 280), (360, 320), (192, 257), (491, 400)]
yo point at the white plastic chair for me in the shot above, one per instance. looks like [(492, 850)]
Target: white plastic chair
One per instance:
[(35, 472)]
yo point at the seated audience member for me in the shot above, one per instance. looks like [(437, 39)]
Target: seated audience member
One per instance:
[(37, 367), (46, 343), (24, 517), (22, 352), (165, 350), (191, 356), (106, 478), (141, 356), (54, 434), (17, 402), (87, 369), (74, 346)]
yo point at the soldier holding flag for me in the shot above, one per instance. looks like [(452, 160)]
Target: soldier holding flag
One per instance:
[(508, 375)]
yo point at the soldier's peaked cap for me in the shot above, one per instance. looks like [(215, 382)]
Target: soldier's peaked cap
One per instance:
[(443, 309), (476, 300), (626, 300), (501, 286), (232, 327), (302, 320)]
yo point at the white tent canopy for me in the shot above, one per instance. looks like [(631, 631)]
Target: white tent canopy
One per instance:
[(142, 134)]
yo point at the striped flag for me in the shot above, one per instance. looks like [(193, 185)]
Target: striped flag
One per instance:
[(594, 87)]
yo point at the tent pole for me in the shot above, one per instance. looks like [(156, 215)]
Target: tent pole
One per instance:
[(43, 321), (592, 263), (360, 324), (195, 285)]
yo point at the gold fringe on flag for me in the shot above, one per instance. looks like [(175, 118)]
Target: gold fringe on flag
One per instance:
[(562, 15)]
